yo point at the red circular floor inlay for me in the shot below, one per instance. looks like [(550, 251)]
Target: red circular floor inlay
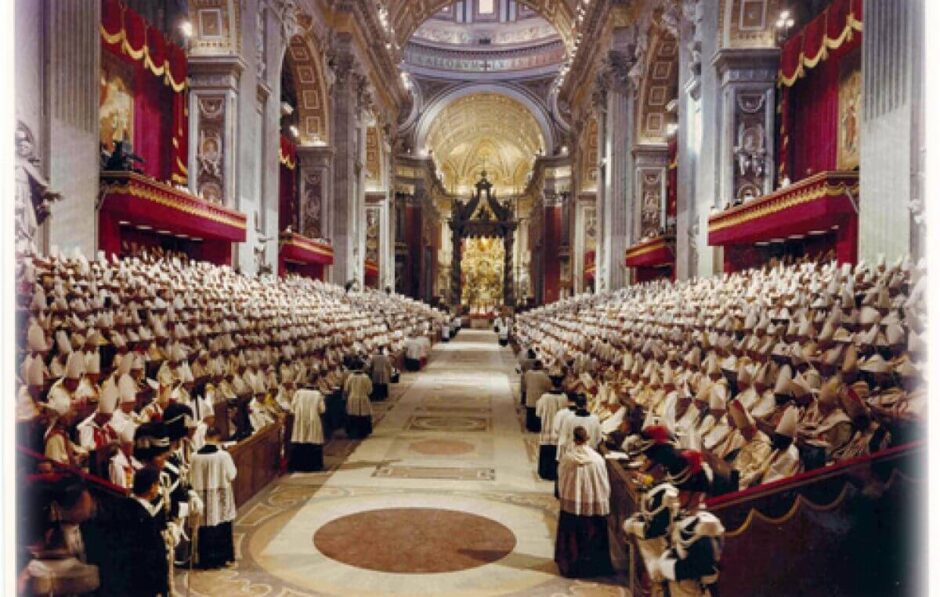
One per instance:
[(443, 447), (414, 540)]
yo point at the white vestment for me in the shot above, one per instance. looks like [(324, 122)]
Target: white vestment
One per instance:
[(566, 432), (583, 485), (212, 475), (358, 386), (546, 408), (307, 407)]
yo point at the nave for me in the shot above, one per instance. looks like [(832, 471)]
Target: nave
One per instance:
[(442, 499)]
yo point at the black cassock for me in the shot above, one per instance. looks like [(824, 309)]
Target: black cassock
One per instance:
[(142, 568)]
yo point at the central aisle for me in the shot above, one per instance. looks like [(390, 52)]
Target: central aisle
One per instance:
[(442, 499)]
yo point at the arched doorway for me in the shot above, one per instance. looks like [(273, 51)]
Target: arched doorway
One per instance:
[(304, 127)]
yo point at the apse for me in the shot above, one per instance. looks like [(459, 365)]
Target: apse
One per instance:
[(484, 131)]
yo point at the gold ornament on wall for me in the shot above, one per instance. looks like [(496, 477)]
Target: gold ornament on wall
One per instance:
[(116, 101), (850, 110)]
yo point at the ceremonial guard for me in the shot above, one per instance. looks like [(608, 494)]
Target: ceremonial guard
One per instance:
[(651, 527), (145, 568), (691, 564)]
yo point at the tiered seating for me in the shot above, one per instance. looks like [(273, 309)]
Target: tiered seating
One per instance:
[(158, 333), (200, 329), (732, 367)]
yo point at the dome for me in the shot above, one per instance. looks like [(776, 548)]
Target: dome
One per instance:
[(473, 37)]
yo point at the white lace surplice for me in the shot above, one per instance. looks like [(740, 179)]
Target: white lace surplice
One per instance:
[(212, 476)]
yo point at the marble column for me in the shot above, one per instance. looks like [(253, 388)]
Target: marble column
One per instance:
[(389, 274), (565, 281), (71, 72), (313, 211), (386, 257), (688, 137), (892, 143), (521, 260), (603, 198), (585, 209), (617, 179), (705, 260), (344, 119), (509, 289), (387, 246), (268, 63), (455, 266)]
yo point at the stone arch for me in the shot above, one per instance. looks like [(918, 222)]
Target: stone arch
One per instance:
[(307, 71), (658, 87)]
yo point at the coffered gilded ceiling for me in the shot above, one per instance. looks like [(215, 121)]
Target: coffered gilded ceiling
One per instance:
[(484, 130), (658, 88)]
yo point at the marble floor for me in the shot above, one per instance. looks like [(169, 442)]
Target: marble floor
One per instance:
[(442, 499)]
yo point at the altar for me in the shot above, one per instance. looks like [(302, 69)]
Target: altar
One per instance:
[(483, 235), (482, 268)]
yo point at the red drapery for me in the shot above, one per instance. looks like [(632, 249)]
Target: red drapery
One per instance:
[(159, 90), (814, 121), (809, 89), (287, 190)]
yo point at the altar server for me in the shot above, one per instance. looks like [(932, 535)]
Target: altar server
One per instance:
[(536, 383), (357, 388), (547, 406), (580, 417), (212, 472), (306, 441), (380, 371), (582, 547), (502, 331), (413, 352)]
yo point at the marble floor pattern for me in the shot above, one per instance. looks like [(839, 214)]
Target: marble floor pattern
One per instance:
[(442, 499)]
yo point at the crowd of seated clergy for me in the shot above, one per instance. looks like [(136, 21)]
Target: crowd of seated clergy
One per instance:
[(123, 361), (119, 340), (740, 379)]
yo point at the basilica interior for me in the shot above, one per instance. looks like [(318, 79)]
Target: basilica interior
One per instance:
[(705, 218)]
